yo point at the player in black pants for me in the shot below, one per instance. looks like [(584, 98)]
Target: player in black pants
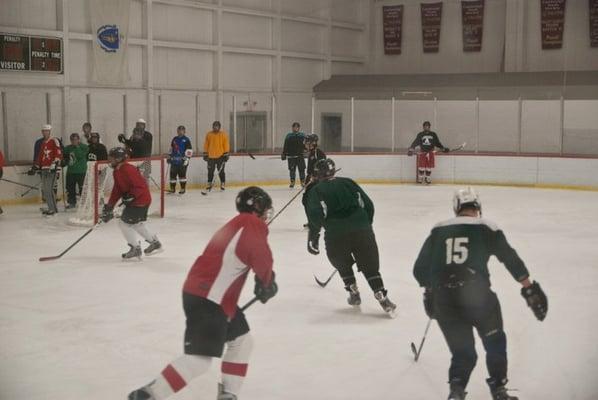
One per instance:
[(180, 152), (292, 151), (344, 210), (452, 266)]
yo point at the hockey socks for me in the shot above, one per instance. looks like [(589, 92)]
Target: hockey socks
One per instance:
[(129, 231), (177, 374), (235, 363)]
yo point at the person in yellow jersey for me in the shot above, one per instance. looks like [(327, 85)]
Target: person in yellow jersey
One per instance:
[(215, 152)]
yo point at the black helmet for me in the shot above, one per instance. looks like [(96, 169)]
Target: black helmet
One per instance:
[(74, 136), (253, 199), (312, 138), (324, 168), (118, 154)]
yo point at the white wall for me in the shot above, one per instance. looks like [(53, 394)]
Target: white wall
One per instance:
[(185, 69), (511, 40)]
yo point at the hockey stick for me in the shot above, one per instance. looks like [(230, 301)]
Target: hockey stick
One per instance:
[(29, 190), (417, 352), (460, 147), (50, 258), (249, 303), (323, 284), (20, 184)]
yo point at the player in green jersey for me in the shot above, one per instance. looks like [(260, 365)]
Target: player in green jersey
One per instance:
[(452, 266), (345, 211)]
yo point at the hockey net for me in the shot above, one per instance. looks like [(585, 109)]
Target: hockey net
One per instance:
[(98, 184)]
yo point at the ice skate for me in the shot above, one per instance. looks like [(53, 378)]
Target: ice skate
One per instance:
[(48, 213), (292, 184), (222, 395), (354, 297), (222, 187), (207, 189), (388, 306), (182, 191), (141, 394), (457, 392), (154, 247), (428, 180), (134, 251), (498, 390)]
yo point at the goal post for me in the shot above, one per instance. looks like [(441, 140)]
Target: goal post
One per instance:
[(99, 182)]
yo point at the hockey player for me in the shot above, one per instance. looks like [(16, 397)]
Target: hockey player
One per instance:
[(132, 188), (346, 213), (452, 267), (97, 151), (292, 151), (180, 152), (75, 157), (427, 142), (210, 296), (215, 153), (314, 154), (48, 161)]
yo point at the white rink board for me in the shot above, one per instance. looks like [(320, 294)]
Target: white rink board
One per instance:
[(503, 170)]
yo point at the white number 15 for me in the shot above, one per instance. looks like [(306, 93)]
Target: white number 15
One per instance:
[(456, 250)]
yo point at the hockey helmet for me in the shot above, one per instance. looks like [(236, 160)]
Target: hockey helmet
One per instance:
[(46, 127), (253, 199), (324, 168), (466, 198), (117, 155), (312, 138), (74, 136)]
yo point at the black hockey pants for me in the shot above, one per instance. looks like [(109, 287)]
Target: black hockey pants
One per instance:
[(460, 309), (298, 163), (359, 247), (216, 163)]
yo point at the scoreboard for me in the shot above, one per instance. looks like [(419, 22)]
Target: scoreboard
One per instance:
[(30, 53)]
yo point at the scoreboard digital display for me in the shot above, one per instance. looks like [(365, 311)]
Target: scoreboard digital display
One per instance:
[(30, 53)]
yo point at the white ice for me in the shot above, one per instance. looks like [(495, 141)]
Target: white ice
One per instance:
[(89, 326)]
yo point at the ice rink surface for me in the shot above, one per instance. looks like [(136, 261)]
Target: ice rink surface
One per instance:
[(89, 326)]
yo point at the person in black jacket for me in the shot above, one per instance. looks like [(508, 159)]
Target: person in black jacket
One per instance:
[(97, 151), (293, 152), (139, 145)]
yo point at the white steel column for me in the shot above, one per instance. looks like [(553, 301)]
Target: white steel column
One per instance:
[(66, 92), (235, 125), (352, 124), (274, 127), (149, 70), (519, 122), (313, 113), (477, 124), (392, 122), (562, 121)]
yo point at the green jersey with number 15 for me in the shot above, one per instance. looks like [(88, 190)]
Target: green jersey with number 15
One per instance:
[(464, 243)]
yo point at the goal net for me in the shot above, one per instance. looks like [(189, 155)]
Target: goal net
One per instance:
[(98, 186)]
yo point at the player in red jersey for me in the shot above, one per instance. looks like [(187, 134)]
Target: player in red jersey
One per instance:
[(210, 296), (130, 185)]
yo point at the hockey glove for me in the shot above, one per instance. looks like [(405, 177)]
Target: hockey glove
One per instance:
[(225, 157), (429, 302), (122, 138), (536, 300), (168, 160), (446, 150), (265, 293), (107, 213), (410, 152), (185, 161), (205, 157), (313, 242), (128, 199), (283, 157), (32, 171)]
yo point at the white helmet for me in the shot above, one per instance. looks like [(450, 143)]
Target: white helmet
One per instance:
[(141, 121), (466, 197), (46, 127)]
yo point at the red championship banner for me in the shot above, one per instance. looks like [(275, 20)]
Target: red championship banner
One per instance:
[(594, 23), (553, 23), (431, 18), (472, 18), (392, 21)]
